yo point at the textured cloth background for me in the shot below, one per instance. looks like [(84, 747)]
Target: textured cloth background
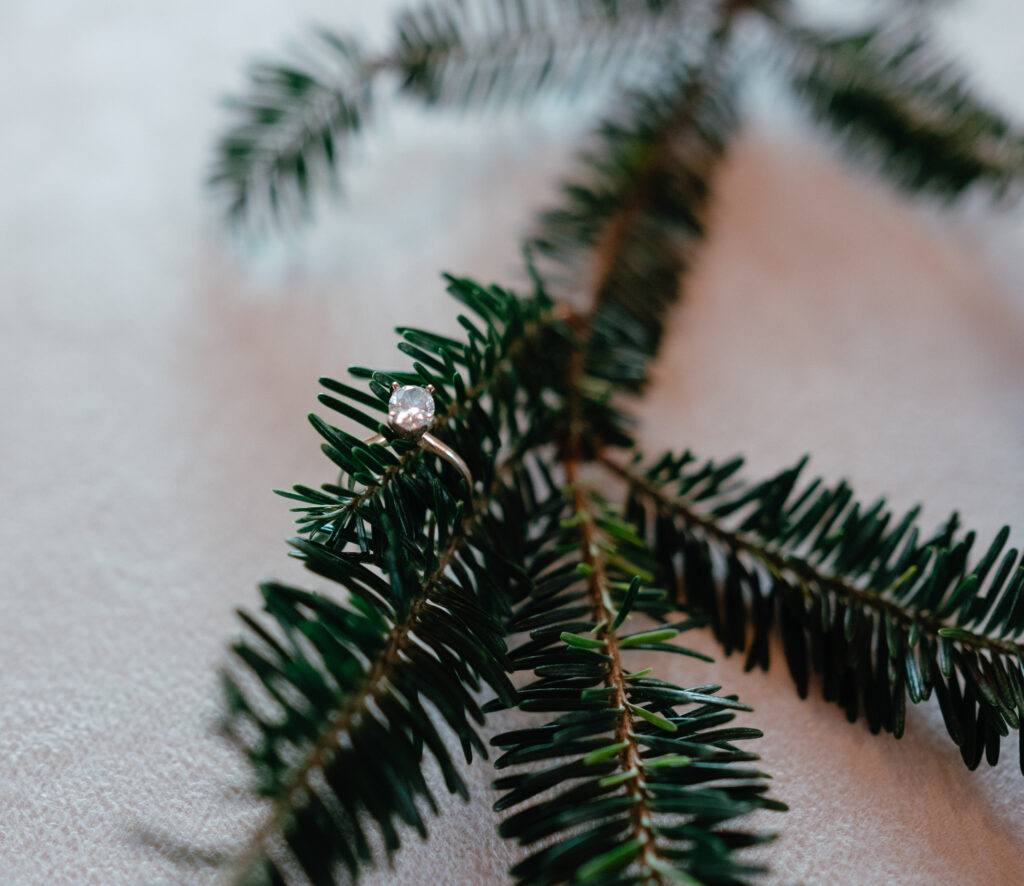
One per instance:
[(154, 384)]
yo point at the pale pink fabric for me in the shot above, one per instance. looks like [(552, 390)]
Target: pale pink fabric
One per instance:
[(154, 385)]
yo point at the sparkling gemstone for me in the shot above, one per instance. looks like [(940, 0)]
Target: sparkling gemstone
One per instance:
[(411, 410)]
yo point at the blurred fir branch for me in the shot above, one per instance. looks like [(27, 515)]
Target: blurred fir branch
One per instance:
[(466, 52), (627, 233), (292, 126), (334, 697), (899, 105), (887, 91), (289, 130), (857, 594)]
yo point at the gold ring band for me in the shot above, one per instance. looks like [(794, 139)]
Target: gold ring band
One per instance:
[(430, 443)]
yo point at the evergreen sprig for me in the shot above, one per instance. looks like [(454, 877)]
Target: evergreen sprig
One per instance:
[(898, 104), (642, 781), (885, 89), (471, 53), (293, 123), (334, 697), (625, 233), (345, 703), (881, 611), (638, 775), (290, 129)]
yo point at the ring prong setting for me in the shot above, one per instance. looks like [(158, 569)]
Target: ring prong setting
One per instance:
[(411, 410)]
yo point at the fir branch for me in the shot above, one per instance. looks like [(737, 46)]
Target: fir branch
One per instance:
[(292, 126), (473, 52), (333, 702), (629, 229), (856, 594), (645, 787), (317, 803), (642, 781), (290, 129), (894, 100)]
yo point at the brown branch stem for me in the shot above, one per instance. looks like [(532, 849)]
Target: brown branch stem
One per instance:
[(806, 575), (597, 585)]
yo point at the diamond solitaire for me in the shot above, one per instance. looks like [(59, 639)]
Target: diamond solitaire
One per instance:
[(411, 416), (411, 410)]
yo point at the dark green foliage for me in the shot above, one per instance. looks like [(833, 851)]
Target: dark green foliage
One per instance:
[(627, 232), (336, 744), (634, 779), (334, 699), (289, 130), (292, 126), (888, 92), (900, 105), (860, 596), (466, 52)]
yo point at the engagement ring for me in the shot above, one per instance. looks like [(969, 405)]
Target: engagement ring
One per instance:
[(411, 416)]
